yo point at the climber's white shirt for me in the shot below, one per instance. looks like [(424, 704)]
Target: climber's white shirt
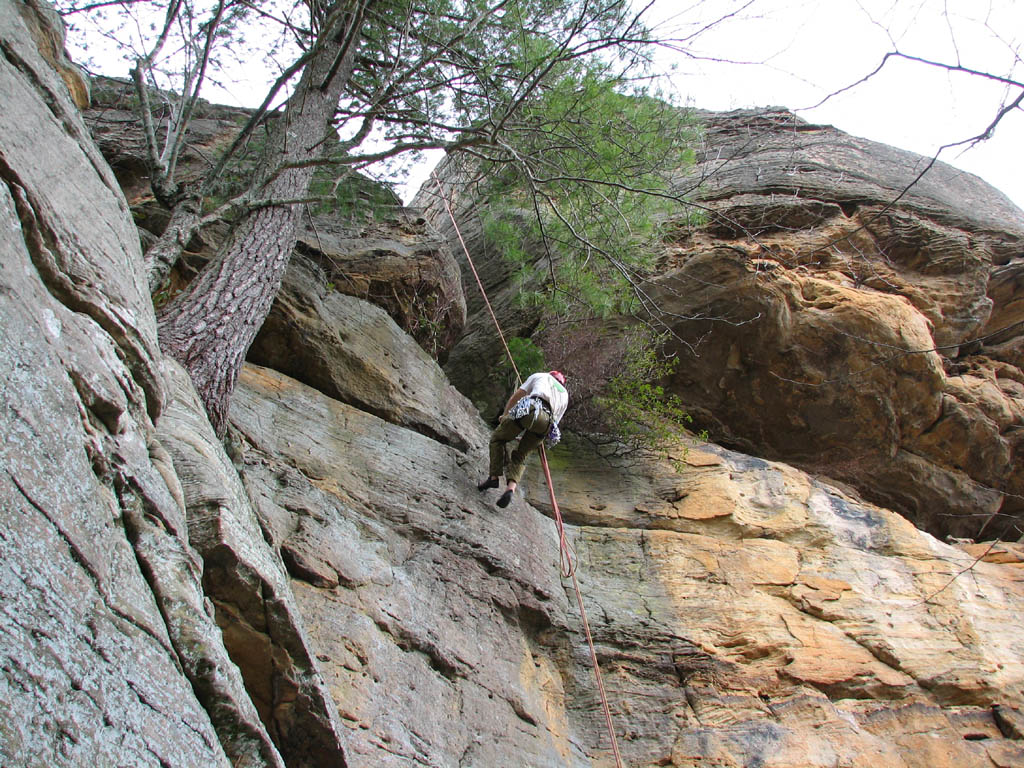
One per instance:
[(545, 385)]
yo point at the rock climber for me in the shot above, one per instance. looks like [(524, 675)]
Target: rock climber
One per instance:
[(533, 410)]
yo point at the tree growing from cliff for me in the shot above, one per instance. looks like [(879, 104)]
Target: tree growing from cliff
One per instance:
[(503, 81)]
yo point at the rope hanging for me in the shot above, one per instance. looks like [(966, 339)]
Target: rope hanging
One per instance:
[(568, 566)]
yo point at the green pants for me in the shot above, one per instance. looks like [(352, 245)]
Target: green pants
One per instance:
[(534, 431)]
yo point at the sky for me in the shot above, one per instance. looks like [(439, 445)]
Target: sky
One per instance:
[(794, 53), (797, 52)]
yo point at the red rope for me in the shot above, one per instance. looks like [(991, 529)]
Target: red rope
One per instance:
[(564, 549), (567, 566), (479, 283)]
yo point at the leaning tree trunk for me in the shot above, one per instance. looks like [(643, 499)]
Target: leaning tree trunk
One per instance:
[(162, 255), (209, 327)]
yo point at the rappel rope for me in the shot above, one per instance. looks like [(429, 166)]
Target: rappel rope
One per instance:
[(567, 565)]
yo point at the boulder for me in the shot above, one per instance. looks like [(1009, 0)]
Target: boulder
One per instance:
[(353, 351), (398, 263), (838, 311)]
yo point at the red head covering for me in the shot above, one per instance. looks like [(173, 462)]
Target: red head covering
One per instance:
[(559, 376)]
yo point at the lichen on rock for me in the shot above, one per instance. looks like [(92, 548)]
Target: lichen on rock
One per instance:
[(331, 588)]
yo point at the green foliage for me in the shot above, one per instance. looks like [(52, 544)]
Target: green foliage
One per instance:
[(527, 355), (593, 193), (352, 196), (238, 174), (641, 412), (618, 396)]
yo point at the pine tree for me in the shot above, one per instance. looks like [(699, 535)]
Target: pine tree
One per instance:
[(548, 92)]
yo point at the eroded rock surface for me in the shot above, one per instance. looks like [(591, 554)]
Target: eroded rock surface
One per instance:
[(866, 339), (286, 704), (353, 351), (475, 362), (750, 615), (399, 264), (835, 311), (105, 643), (743, 612)]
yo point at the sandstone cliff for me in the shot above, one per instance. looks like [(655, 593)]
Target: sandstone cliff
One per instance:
[(881, 330), (336, 592), (836, 312)]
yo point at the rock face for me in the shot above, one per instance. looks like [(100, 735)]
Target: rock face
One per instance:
[(747, 614), (108, 654), (47, 30), (244, 579), (838, 311), (871, 341), (440, 624), (337, 592), (477, 355), (115, 129)]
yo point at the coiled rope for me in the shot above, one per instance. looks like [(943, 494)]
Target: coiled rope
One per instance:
[(567, 564)]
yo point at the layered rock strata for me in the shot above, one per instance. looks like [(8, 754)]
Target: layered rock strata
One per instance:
[(846, 306), (869, 305), (335, 591)]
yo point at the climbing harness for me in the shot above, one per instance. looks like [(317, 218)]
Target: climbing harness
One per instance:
[(566, 563), (528, 406)]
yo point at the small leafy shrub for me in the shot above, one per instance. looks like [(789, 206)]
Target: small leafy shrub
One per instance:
[(616, 384)]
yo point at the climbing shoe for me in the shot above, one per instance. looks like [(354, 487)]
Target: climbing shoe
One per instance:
[(490, 482), (506, 497)]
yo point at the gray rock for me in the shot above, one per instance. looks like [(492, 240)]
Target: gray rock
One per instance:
[(92, 661), (78, 230), (438, 620), (772, 153), (245, 580)]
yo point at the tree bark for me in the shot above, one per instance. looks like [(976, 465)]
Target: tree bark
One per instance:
[(209, 326), (162, 255)]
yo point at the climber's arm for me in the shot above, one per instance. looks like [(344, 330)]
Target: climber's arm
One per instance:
[(518, 395)]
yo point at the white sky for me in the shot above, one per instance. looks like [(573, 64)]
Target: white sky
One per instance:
[(810, 48), (795, 52)]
